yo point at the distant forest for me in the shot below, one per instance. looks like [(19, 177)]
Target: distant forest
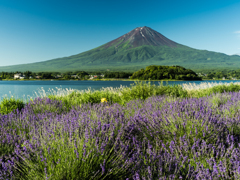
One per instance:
[(153, 72), (165, 72), (227, 74), (82, 75)]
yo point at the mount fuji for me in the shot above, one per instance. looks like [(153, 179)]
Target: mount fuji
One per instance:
[(137, 49)]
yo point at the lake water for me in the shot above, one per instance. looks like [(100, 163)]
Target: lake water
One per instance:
[(24, 89)]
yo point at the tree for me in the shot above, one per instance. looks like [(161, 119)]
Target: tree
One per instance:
[(219, 75), (210, 75), (47, 75), (27, 74), (66, 76), (82, 74)]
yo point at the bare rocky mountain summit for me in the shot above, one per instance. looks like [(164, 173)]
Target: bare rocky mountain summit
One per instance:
[(142, 36)]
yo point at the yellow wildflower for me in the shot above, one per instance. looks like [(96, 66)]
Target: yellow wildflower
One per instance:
[(103, 100)]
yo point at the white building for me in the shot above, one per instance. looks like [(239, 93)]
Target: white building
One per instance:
[(96, 76), (74, 76), (19, 76)]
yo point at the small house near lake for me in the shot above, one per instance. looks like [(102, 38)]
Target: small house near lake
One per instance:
[(58, 76), (19, 76), (96, 76), (74, 76)]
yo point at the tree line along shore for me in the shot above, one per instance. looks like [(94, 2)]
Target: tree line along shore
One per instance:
[(151, 72)]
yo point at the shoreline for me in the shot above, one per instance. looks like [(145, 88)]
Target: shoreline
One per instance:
[(113, 79), (94, 80)]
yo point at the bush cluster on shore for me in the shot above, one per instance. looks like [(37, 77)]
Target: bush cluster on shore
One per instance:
[(165, 72), (140, 132)]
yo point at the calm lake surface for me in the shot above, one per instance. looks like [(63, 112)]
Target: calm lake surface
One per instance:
[(24, 89)]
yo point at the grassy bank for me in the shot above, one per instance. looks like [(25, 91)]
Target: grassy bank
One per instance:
[(142, 132), (141, 90), (138, 90)]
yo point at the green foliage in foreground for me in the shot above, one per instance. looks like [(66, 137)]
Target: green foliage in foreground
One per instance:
[(139, 90), (213, 90), (7, 105)]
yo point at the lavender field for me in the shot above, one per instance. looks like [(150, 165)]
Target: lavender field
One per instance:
[(156, 137)]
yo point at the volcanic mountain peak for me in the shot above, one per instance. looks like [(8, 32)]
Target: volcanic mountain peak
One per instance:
[(142, 36)]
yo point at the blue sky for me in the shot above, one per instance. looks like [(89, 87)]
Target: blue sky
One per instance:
[(40, 30)]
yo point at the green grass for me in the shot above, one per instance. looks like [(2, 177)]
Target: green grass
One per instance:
[(215, 89), (122, 95), (8, 105), (138, 90)]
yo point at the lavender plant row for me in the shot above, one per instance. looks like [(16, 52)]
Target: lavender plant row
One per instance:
[(157, 138)]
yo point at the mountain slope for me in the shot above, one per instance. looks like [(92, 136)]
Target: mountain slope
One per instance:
[(137, 49)]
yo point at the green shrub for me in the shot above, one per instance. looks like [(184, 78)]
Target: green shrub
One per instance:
[(213, 90), (8, 105)]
